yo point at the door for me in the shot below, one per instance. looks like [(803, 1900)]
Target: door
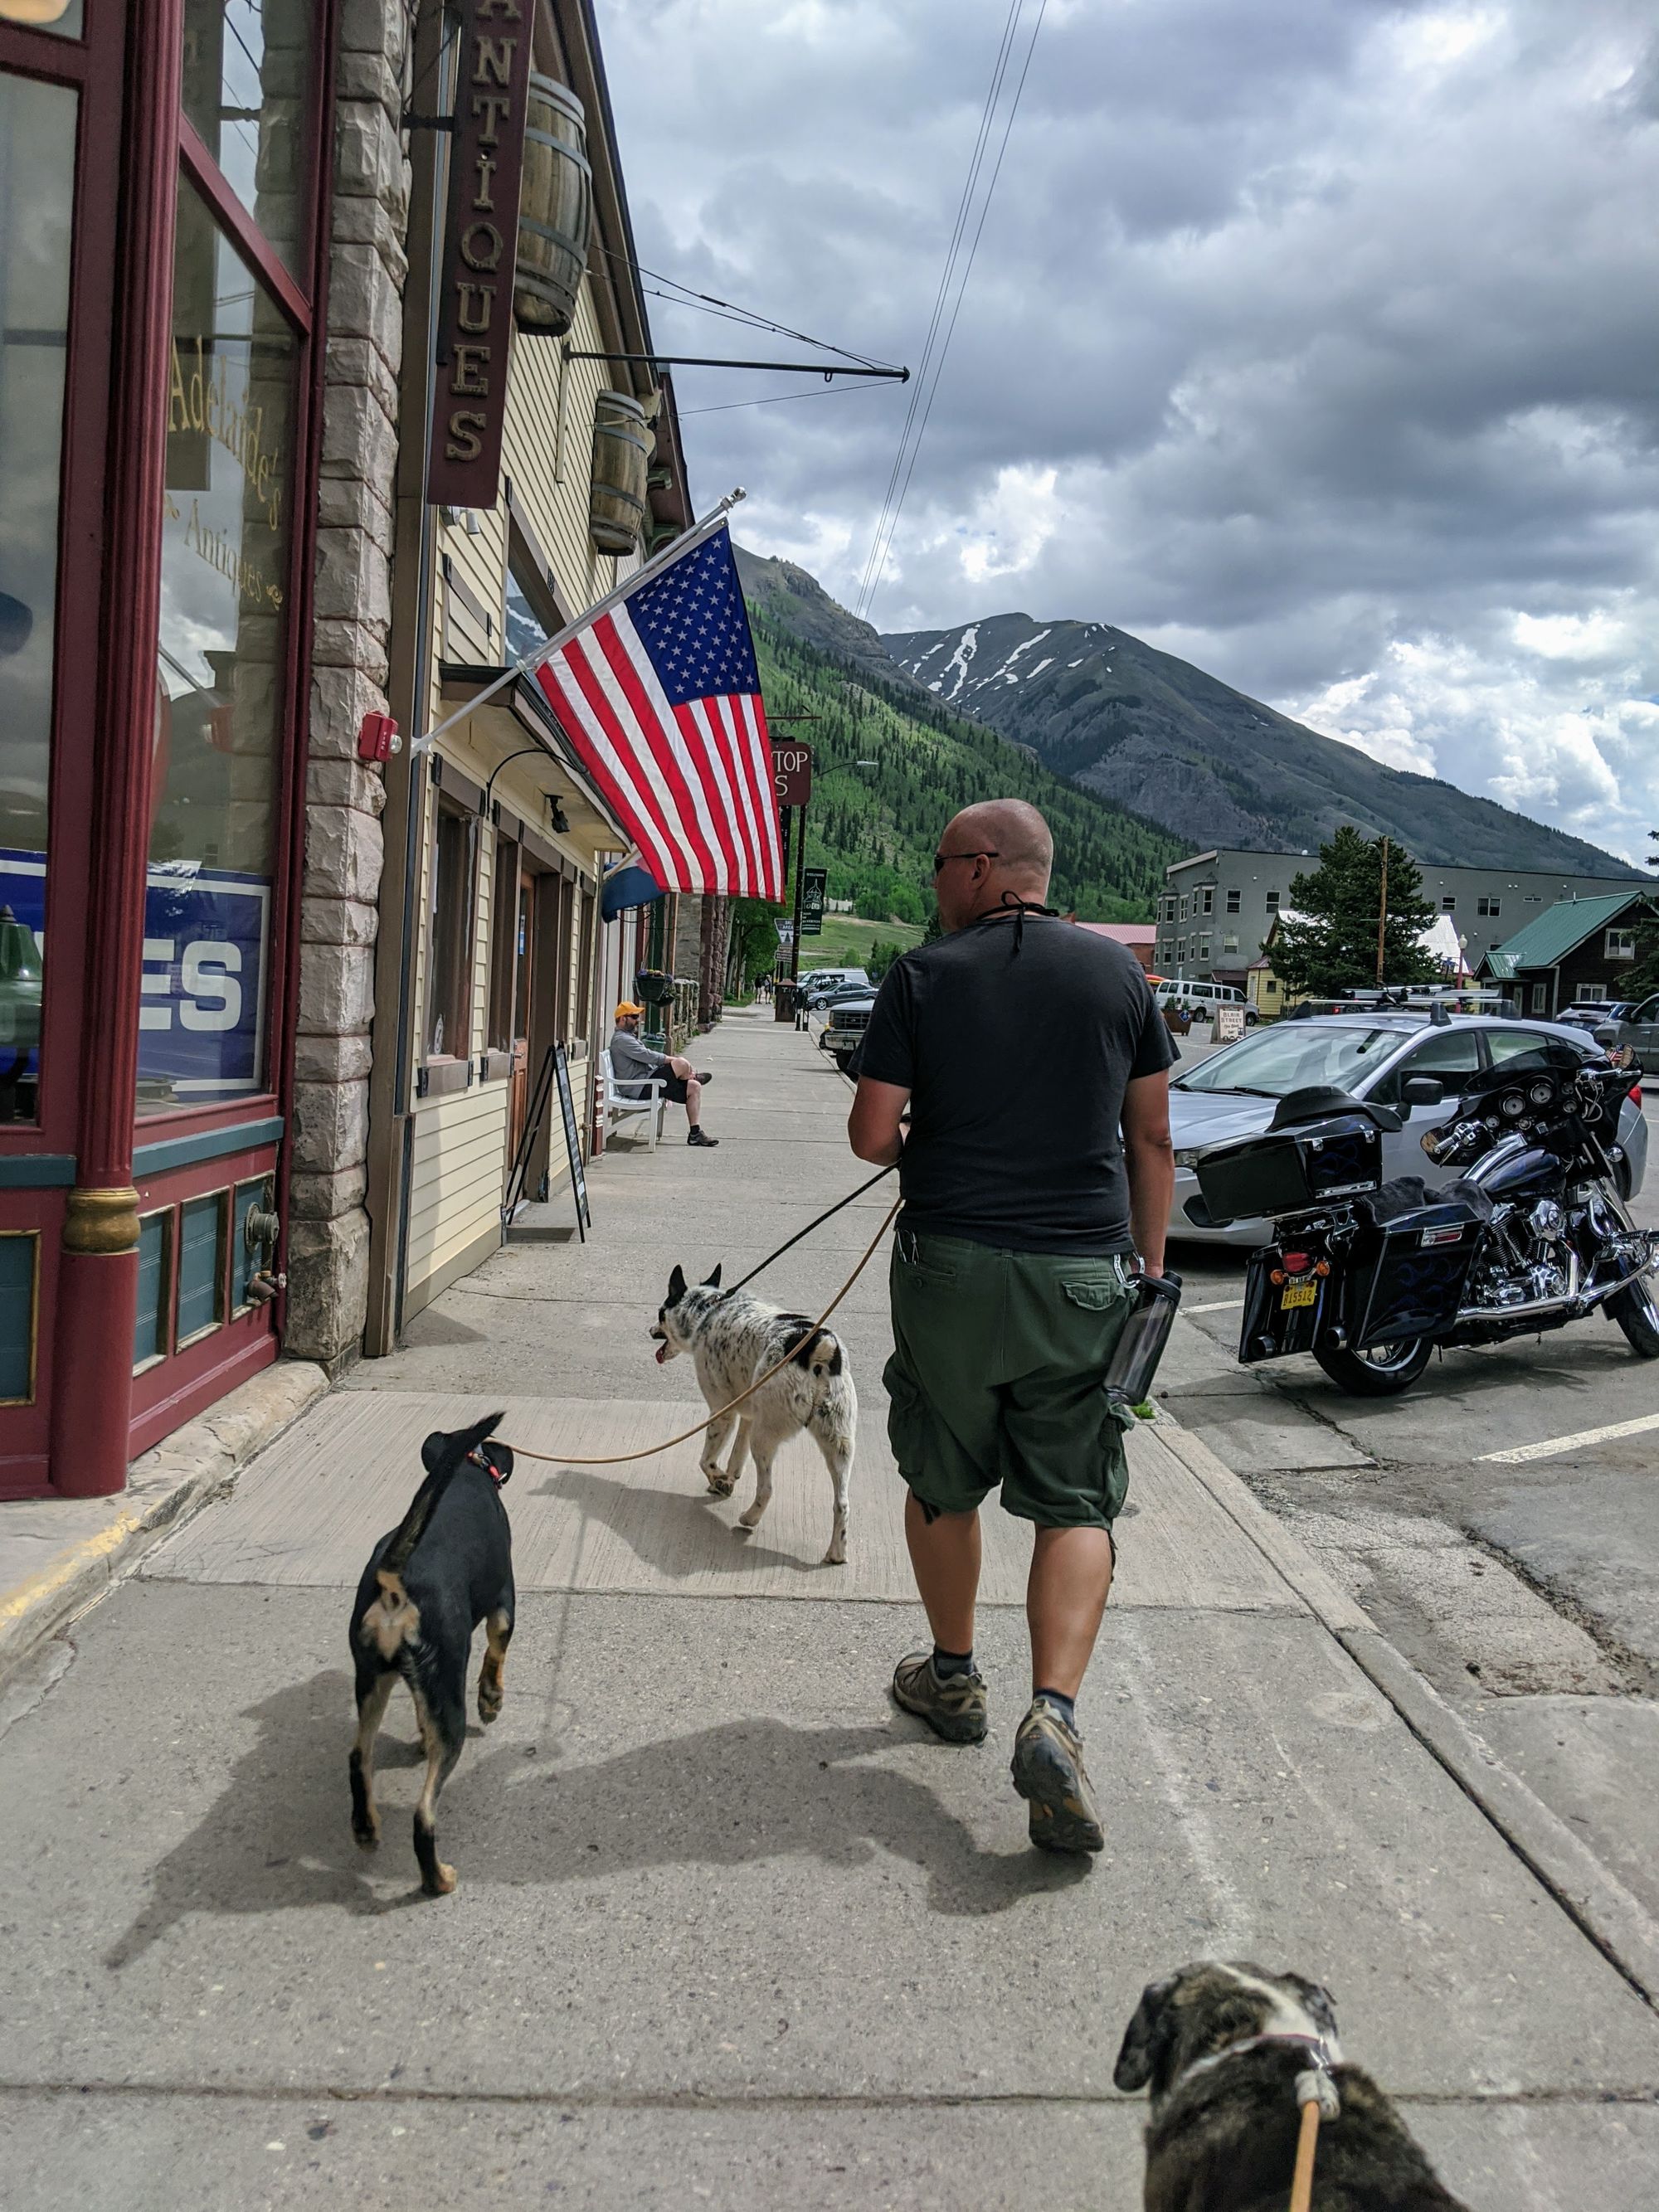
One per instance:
[(523, 1000)]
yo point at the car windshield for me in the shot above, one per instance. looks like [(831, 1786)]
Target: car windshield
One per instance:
[(1275, 1063)]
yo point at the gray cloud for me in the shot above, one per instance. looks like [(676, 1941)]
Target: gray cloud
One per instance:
[(1313, 339)]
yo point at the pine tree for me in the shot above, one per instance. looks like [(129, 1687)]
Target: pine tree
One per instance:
[(1331, 945)]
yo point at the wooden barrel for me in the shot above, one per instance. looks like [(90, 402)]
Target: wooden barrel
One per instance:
[(555, 209), (623, 442)]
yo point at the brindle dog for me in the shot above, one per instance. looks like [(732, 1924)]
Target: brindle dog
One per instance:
[(1221, 2047), (447, 1566)]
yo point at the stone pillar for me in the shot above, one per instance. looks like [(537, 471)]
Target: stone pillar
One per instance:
[(328, 1227)]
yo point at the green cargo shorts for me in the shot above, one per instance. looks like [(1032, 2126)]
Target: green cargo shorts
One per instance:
[(998, 1377)]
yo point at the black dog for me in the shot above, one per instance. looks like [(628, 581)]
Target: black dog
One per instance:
[(1222, 2047), (414, 1615)]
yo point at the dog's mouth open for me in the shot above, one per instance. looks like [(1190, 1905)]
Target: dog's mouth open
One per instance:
[(665, 1347)]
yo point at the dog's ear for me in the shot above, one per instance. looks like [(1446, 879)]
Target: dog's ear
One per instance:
[(1147, 2039), (443, 1449), (711, 1282), (1316, 2000), (676, 1285)]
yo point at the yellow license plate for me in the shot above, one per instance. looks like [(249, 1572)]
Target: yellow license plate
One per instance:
[(1298, 1294)]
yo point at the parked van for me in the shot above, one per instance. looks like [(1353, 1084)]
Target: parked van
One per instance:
[(1202, 996)]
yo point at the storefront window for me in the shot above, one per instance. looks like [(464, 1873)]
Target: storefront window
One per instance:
[(63, 17), (37, 188), (226, 530), (248, 71)]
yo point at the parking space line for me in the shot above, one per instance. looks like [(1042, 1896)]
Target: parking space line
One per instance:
[(1550, 1446), (1221, 1305)]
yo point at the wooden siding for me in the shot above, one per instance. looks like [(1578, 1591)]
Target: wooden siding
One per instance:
[(455, 1186)]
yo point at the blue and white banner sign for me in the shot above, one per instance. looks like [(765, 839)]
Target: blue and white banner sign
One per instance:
[(202, 1007)]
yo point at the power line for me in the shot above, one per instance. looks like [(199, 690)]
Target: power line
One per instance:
[(711, 303), (999, 68), (894, 505)]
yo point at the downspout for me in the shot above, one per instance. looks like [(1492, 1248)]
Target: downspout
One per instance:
[(409, 690)]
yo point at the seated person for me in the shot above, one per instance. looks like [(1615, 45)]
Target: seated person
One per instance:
[(634, 1066)]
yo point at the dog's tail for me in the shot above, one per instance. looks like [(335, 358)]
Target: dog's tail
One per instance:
[(393, 1618)]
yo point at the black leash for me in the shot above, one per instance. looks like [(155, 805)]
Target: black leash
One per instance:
[(810, 1226)]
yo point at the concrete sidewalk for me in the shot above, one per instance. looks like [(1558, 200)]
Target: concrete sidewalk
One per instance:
[(729, 1929)]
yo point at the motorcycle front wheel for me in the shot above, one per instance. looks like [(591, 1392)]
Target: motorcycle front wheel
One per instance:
[(1635, 1312), (1383, 1372)]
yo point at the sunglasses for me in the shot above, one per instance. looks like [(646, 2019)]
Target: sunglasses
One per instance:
[(941, 858)]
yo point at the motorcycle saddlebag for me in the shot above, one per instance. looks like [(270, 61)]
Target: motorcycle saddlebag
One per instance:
[(1421, 1271), (1291, 1171)]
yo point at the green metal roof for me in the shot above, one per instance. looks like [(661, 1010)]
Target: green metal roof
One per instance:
[(1550, 936)]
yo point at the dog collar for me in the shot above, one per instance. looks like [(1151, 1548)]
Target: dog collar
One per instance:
[(1314, 2084), (500, 1476)]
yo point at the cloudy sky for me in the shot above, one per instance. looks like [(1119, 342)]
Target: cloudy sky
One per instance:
[(1314, 340)]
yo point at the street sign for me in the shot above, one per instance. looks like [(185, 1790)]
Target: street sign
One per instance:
[(811, 902), (792, 773)]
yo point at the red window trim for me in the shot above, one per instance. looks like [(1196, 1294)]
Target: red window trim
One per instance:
[(245, 233)]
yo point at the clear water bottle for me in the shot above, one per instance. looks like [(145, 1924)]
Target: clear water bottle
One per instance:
[(1133, 1362)]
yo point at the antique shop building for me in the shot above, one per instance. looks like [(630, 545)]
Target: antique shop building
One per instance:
[(264, 981)]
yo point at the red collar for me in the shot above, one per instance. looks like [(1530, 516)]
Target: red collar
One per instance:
[(498, 1475)]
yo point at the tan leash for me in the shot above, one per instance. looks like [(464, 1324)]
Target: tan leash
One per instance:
[(1306, 2144), (622, 1459)]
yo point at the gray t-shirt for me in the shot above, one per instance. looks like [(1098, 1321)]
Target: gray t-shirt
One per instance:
[(634, 1064), (1016, 1048)]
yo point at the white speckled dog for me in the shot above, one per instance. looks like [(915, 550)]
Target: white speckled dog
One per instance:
[(733, 1337)]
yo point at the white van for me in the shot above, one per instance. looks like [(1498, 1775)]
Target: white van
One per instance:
[(1202, 998)]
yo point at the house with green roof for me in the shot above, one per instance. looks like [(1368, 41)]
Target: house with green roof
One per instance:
[(1578, 949)]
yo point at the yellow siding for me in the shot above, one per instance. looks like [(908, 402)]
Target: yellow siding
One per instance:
[(557, 504), (455, 1194)]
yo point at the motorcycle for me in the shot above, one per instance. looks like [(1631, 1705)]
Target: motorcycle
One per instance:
[(1370, 1277)]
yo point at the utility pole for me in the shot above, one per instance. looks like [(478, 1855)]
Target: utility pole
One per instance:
[(1383, 918)]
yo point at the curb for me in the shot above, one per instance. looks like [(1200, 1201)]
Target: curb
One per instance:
[(1598, 1903), (165, 1487)]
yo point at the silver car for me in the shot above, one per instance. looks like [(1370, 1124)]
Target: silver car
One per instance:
[(1637, 1025), (1235, 1091)]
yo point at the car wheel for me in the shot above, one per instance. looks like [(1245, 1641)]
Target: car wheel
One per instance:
[(1383, 1372)]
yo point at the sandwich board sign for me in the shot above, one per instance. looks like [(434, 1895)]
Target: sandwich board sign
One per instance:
[(572, 1142), (1229, 1024)]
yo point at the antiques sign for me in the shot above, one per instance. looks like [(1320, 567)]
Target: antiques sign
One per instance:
[(792, 773), (481, 240)]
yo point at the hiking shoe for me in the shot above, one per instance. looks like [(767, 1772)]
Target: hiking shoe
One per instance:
[(953, 1706), (1049, 1774), (698, 1137)]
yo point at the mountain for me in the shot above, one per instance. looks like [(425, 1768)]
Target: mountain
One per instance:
[(1179, 748), (892, 765)]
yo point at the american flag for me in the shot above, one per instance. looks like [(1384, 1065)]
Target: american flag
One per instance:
[(660, 696)]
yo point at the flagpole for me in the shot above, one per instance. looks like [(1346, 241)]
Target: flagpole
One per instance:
[(682, 543)]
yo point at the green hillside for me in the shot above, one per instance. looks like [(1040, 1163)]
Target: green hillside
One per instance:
[(876, 829)]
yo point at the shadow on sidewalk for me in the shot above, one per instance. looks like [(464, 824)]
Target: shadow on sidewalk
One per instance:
[(277, 1837), (680, 1533)]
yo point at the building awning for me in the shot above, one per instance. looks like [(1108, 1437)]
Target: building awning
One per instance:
[(515, 720)]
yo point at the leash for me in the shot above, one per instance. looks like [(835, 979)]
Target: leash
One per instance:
[(1306, 2143), (622, 1459), (1315, 2093), (810, 1227)]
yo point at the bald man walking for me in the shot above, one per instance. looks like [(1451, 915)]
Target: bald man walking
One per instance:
[(1037, 1175)]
